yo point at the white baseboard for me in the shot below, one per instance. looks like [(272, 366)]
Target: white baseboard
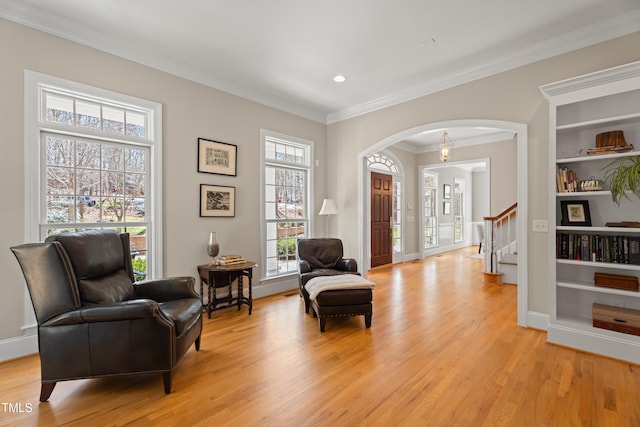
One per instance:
[(446, 248), (411, 257), (267, 288), (538, 320), (13, 348)]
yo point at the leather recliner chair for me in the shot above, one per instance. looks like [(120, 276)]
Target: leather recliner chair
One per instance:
[(321, 257), (94, 321)]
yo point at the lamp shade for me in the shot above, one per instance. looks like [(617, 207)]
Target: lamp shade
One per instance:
[(328, 207)]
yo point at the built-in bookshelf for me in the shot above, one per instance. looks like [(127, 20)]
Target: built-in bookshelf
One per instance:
[(580, 109)]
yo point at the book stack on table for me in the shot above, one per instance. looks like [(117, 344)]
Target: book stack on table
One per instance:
[(227, 260)]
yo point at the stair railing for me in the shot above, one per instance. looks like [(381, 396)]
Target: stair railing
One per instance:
[(501, 238)]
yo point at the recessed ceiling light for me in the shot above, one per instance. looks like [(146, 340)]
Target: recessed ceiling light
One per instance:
[(339, 78)]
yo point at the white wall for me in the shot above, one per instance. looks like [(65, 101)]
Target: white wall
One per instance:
[(190, 110), (480, 202)]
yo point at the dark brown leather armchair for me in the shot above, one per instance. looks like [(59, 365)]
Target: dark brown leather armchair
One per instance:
[(321, 257), (93, 321)]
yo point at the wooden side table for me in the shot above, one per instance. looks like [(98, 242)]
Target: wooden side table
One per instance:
[(220, 276)]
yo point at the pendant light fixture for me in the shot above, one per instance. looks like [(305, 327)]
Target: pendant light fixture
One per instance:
[(445, 147)]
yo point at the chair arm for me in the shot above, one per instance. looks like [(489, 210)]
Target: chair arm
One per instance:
[(167, 289), (347, 264), (303, 266), (124, 310)]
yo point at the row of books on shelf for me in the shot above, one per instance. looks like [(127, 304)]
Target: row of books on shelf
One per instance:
[(567, 181), (598, 248), (230, 259)]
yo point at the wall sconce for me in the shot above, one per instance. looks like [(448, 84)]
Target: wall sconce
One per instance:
[(328, 208), (445, 147)]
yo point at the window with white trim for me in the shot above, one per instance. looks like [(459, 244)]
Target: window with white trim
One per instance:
[(285, 199), (430, 213), (458, 213), (98, 164), (396, 217)]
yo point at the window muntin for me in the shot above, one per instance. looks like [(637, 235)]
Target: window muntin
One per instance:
[(286, 195), (94, 164), (86, 112), (92, 181), (397, 217), (458, 196), (430, 214), (381, 162)]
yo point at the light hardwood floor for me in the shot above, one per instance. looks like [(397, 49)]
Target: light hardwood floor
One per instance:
[(444, 350)]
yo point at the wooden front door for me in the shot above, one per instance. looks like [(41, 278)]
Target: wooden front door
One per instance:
[(381, 232)]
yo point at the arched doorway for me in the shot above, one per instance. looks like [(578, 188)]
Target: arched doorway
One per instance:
[(520, 138)]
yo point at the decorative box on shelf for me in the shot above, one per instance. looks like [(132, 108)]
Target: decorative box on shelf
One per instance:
[(617, 281), (617, 319)]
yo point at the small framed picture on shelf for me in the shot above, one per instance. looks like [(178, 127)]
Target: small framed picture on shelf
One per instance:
[(575, 213), (217, 200)]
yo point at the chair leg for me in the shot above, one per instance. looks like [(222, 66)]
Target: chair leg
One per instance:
[(197, 342), (45, 391), (167, 382), (480, 248), (321, 323)]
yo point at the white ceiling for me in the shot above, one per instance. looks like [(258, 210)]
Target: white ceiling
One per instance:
[(284, 53)]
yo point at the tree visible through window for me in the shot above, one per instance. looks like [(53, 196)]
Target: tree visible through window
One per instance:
[(285, 197), (95, 165)]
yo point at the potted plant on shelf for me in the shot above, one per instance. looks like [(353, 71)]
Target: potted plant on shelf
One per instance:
[(623, 175)]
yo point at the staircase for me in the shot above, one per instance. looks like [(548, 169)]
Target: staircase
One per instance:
[(501, 254)]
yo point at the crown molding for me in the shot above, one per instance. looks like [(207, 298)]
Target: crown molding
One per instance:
[(587, 36), (587, 81), (27, 15), (31, 17)]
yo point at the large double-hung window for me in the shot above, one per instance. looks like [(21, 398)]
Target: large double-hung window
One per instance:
[(285, 199), (95, 165)]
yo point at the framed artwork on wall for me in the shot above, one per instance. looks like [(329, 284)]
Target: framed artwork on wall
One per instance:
[(217, 200), (217, 157), (446, 208), (446, 191)]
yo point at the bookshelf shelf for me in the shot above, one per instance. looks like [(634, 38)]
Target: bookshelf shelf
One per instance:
[(580, 109)]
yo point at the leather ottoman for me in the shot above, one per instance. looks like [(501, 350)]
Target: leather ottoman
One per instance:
[(343, 302)]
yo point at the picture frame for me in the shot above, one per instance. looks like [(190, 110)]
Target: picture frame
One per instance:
[(446, 208), (446, 191), (575, 213), (217, 201), (218, 158)]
